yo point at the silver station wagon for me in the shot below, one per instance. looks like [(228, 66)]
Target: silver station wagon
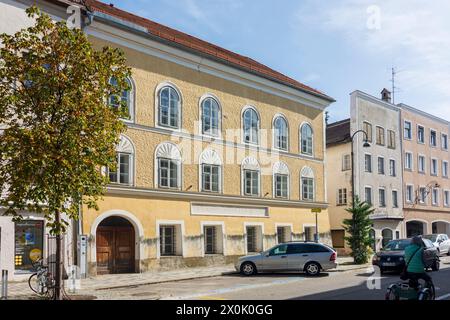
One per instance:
[(309, 257)]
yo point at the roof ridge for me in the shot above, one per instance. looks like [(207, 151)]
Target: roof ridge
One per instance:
[(170, 34)]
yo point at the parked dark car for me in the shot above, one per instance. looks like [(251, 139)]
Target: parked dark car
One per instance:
[(392, 256)]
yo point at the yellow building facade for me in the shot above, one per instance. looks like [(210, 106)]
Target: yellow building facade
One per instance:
[(217, 161)]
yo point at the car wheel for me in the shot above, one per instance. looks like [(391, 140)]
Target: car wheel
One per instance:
[(248, 269), (312, 269), (436, 265)]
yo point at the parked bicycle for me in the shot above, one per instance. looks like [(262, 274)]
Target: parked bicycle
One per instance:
[(42, 282)]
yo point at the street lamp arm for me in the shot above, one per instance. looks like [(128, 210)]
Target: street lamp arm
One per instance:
[(365, 135)]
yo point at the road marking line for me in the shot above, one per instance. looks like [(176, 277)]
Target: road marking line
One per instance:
[(445, 296)]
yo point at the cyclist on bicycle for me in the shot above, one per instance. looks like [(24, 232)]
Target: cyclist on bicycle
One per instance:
[(414, 253)]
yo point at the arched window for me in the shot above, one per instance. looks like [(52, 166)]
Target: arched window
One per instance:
[(169, 108), (210, 117), (281, 180), (125, 101), (307, 184), (123, 174), (387, 235), (168, 164), (251, 126), (280, 131), (251, 172), (211, 171), (307, 140)]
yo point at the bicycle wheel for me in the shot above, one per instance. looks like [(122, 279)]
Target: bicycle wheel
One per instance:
[(391, 293), (36, 286)]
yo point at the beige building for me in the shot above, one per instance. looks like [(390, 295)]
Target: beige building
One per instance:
[(223, 156), (425, 172), (377, 174)]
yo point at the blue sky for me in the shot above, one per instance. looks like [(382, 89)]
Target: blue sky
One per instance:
[(336, 46)]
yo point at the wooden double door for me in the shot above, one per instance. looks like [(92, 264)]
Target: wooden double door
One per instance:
[(115, 250)]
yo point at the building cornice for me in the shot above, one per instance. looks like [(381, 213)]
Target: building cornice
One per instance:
[(210, 198)]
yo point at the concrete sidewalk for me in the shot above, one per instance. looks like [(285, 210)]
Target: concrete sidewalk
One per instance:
[(89, 286)]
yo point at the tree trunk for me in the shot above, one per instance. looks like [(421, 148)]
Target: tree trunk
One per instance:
[(58, 273)]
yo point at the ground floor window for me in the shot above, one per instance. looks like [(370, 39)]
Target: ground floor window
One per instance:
[(170, 240), (284, 234), (213, 239), (29, 243), (309, 233), (337, 237), (254, 239)]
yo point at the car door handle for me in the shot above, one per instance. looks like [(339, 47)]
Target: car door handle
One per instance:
[(284, 257), (305, 255)]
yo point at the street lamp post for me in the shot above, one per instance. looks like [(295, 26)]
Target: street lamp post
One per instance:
[(365, 145)]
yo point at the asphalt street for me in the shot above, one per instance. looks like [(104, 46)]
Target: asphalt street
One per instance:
[(350, 285)]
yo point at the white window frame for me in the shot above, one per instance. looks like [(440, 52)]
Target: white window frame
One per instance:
[(220, 120), (274, 133), (307, 173), (383, 172), (445, 171), (168, 150), (250, 164), (258, 134), (344, 157), (404, 130), (257, 225), (312, 139), (395, 204), (132, 104), (371, 163), (435, 173), (392, 169), (376, 136), (125, 146), (217, 224), (437, 142), (435, 197), (411, 158), (379, 197), (371, 194), (160, 223), (424, 134), (210, 157), (445, 148), (419, 168), (421, 200), (180, 106), (285, 225), (412, 199), (446, 198), (281, 168)]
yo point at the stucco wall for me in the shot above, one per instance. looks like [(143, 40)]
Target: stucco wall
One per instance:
[(377, 113)]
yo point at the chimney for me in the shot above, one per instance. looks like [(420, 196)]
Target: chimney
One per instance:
[(386, 95)]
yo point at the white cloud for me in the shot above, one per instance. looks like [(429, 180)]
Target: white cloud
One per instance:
[(414, 35)]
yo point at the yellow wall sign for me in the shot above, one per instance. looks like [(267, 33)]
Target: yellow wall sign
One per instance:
[(316, 210), (35, 255)]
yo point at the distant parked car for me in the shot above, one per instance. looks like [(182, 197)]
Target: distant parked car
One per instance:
[(392, 256), (309, 257), (440, 241)]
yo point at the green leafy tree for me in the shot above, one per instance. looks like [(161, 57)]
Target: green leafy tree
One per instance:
[(358, 228), (58, 130)]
